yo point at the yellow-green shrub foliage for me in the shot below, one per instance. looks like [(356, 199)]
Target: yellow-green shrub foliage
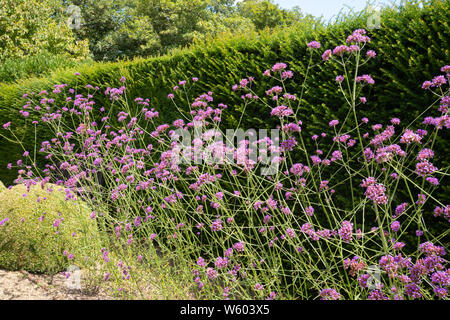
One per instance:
[(41, 230), (2, 187), (28, 27)]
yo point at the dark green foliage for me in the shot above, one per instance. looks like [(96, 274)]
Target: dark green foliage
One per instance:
[(125, 29), (412, 45)]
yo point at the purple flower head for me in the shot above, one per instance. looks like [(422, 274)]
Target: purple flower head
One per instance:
[(239, 246), (400, 209), (289, 144), (216, 225), (313, 45), (395, 226), (425, 168), (297, 169), (409, 137), (221, 262), (358, 36), (279, 66), (340, 50), (375, 191), (446, 69), (377, 294), (211, 273), (309, 211), (412, 290), (346, 230), (333, 123), (371, 54), (326, 55), (329, 294), (426, 85), (290, 232), (365, 79), (395, 121), (2, 222), (281, 111), (438, 81)]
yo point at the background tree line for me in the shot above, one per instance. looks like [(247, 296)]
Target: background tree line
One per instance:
[(124, 29)]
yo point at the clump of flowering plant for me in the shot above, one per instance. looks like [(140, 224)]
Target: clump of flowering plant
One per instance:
[(260, 218)]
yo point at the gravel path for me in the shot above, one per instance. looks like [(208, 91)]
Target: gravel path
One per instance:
[(21, 285)]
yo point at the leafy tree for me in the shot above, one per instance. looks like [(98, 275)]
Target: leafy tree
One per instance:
[(28, 27), (266, 14), (123, 29), (102, 22), (137, 38), (224, 24), (222, 7), (176, 22)]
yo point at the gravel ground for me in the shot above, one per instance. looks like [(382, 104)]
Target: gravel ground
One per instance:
[(21, 285)]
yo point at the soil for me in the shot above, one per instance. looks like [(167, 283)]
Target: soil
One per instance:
[(22, 285)]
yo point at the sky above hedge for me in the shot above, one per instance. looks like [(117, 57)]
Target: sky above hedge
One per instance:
[(330, 8)]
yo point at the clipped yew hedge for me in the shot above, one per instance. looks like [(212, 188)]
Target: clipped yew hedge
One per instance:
[(412, 45)]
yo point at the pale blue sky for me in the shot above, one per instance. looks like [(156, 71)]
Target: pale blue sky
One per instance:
[(330, 8)]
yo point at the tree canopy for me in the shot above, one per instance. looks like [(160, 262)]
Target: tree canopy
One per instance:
[(110, 30)]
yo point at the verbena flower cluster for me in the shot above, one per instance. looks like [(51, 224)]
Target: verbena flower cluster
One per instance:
[(239, 234)]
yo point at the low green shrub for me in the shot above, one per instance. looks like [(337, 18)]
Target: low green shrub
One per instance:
[(44, 231)]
